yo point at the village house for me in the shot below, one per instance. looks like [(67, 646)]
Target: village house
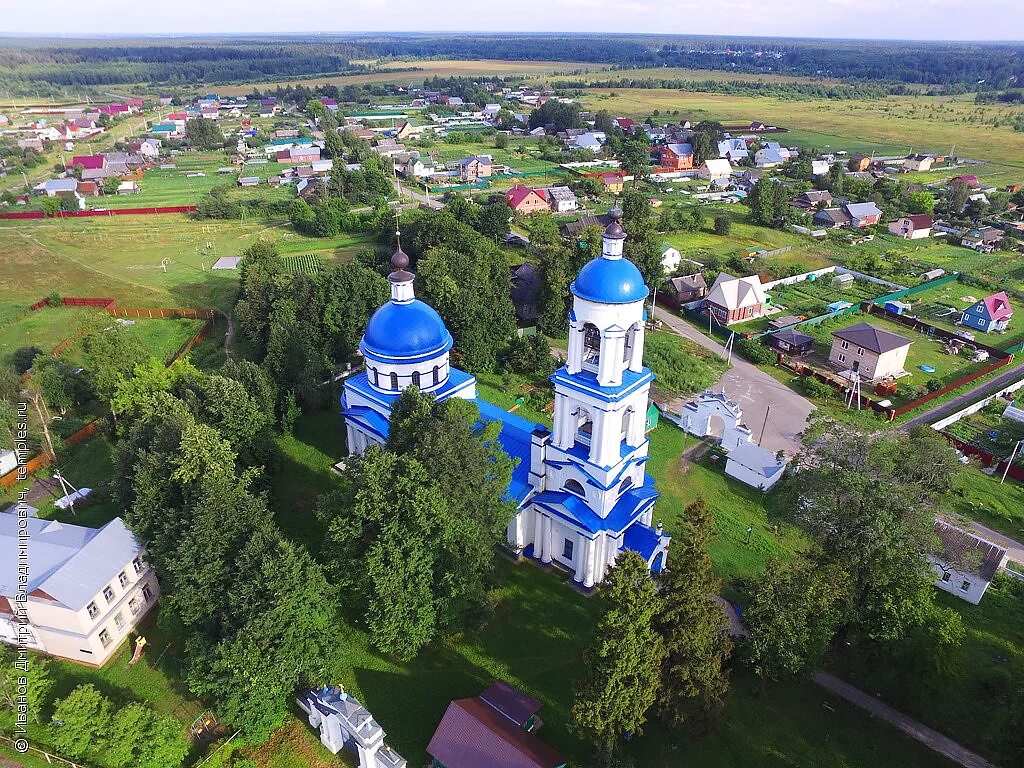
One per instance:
[(733, 150), (591, 140), (813, 199), (918, 162), (303, 154), (678, 157), (474, 167), (88, 587), (562, 199), (831, 218), (670, 258), (613, 182), (55, 187), (863, 214), (495, 729), (982, 240), (687, 288), (870, 352), (525, 200), (819, 167), (734, 299), (912, 227), (991, 314), (771, 155), (713, 169), (965, 564)]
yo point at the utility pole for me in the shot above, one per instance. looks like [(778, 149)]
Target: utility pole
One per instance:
[(764, 423), (1009, 461)]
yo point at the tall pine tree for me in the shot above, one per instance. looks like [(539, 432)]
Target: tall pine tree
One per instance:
[(694, 679), (624, 664)]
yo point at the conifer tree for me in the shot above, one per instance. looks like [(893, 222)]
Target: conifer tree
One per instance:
[(624, 664), (694, 680)]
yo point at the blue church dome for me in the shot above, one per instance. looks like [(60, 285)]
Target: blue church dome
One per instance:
[(610, 281), (405, 332)]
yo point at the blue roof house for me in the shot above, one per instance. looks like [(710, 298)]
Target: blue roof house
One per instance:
[(581, 489)]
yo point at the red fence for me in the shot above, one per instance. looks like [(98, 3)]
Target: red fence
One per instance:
[(103, 212), (1016, 471)]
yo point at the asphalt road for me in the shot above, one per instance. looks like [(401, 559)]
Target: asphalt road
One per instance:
[(755, 391), (990, 387)]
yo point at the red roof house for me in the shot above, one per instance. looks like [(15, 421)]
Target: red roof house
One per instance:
[(968, 179), (523, 199), (88, 162)]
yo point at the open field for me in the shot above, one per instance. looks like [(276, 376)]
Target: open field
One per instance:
[(401, 75), (979, 496), (889, 125), (120, 257), (682, 73)]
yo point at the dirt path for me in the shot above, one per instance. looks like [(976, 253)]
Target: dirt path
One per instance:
[(915, 730)]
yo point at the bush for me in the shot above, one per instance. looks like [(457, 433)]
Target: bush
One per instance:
[(21, 359), (723, 224), (755, 351), (814, 388), (933, 385)]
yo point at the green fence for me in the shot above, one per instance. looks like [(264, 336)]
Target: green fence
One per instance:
[(936, 283)]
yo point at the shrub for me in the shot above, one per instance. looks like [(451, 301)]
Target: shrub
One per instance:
[(723, 224), (814, 388), (755, 351), (933, 385)]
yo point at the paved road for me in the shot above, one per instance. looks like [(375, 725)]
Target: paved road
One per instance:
[(922, 733), (754, 390), (990, 387)]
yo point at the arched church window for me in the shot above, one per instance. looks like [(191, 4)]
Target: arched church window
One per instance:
[(625, 485), (394, 380), (376, 377), (416, 379), (576, 487), (437, 375), (591, 343)]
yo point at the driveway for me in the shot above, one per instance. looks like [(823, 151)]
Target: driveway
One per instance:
[(404, 190), (755, 391)]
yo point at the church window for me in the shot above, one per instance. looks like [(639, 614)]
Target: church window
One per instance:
[(567, 548), (575, 486), (437, 375), (626, 485), (394, 380), (376, 377), (591, 343), (416, 379)]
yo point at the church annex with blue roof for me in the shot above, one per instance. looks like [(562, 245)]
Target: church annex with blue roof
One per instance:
[(581, 488)]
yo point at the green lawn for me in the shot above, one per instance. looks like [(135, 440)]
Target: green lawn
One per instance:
[(981, 497), (941, 306), (681, 367), (45, 328)]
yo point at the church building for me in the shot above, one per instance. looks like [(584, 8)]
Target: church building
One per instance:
[(582, 491)]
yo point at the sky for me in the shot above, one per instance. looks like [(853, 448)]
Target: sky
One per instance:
[(885, 19)]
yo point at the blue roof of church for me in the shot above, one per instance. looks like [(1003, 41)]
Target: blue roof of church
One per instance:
[(515, 439), (642, 539), (586, 381), (407, 332), (627, 509), (610, 281)]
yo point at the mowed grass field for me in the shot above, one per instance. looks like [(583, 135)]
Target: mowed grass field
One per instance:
[(889, 125), (120, 257)]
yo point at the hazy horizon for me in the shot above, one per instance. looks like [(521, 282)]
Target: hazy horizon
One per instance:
[(903, 20)]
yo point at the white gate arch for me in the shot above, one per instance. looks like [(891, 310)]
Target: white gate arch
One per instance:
[(696, 418)]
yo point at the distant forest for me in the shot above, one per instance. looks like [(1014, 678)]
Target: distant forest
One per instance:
[(34, 65)]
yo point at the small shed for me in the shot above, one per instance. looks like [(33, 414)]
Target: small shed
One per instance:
[(128, 188), (792, 342), (755, 466), (843, 281), (249, 181), (653, 417)]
